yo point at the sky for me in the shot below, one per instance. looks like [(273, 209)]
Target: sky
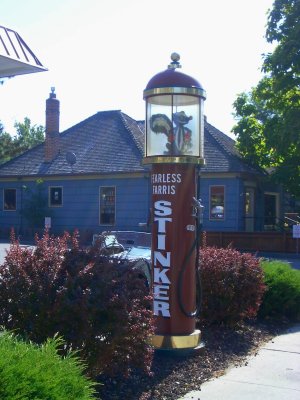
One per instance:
[(100, 54)]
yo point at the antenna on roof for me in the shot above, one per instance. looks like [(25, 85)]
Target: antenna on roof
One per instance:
[(71, 158)]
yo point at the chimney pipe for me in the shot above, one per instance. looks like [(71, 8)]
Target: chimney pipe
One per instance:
[(52, 127)]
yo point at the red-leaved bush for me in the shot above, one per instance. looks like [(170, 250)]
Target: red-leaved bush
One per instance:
[(232, 285), (100, 307)]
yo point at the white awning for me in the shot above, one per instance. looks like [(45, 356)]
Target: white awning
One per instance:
[(16, 58)]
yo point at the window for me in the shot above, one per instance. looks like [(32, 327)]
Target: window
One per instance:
[(217, 203), (55, 196), (107, 205), (10, 199)]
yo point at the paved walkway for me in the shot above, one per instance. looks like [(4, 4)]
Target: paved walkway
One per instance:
[(274, 373)]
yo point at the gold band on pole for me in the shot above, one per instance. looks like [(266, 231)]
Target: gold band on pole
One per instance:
[(168, 342)]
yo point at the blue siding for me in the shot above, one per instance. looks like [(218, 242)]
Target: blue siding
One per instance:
[(80, 209), (81, 204)]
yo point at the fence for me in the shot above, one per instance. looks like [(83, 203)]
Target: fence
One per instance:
[(281, 242)]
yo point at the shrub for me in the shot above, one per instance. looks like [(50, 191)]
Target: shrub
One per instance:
[(28, 371), (282, 298), (232, 285), (99, 307)]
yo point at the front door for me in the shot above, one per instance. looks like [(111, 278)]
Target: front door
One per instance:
[(271, 211)]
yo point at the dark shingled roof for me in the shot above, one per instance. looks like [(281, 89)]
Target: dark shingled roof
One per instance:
[(112, 142), (221, 154), (106, 142)]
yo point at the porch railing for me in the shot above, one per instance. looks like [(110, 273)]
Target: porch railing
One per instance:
[(272, 223)]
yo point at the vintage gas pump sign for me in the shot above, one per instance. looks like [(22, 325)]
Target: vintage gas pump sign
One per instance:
[(174, 147)]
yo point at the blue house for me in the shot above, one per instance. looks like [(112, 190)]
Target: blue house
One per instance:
[(93, 180)]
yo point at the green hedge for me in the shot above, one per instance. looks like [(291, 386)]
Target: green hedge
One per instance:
[(31, 372), (282, 297)]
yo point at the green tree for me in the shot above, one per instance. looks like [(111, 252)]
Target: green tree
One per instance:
[(27, 136), (268, 117), (5, 145)]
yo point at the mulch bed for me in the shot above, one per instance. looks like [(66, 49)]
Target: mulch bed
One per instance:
[(173, 377)]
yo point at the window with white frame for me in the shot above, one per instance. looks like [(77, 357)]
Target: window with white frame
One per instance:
[(217, 203), (107, 205), (55, 196), (9, 199)]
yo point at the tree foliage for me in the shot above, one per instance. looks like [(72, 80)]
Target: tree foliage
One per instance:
[(26, 137), (6, 144), (284, 28), (268, 127)]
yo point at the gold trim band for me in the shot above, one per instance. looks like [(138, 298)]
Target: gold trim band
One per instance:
[(175, 90), (173, 160), (167, 342)]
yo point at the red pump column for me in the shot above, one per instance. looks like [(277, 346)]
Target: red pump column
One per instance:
[(174, 146), (173, 235)]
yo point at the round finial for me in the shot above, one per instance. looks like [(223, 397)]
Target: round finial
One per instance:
[(52, 94), (175, 57)]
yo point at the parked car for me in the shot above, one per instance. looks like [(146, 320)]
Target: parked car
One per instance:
[(128, 246)]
